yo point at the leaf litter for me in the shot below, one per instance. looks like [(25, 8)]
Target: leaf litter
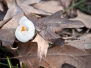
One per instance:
[(48, 29)]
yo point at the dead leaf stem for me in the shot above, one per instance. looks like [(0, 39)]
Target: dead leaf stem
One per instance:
[(78, 60), (47, 62), (69, 54), (30, 63)]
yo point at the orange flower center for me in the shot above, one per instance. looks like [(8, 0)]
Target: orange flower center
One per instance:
[(23, 28)]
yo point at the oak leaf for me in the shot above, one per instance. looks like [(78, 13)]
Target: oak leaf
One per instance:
[(55, 58), (83, 42), (86, 19), (50, 25), (44, 5), (38, 47)]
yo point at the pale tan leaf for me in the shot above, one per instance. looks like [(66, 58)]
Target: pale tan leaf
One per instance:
[(27, 9), (3, 10), (12, 11), (49, 26), (27, 53), (86, 19), (57, 57), (8, 31), (19, 6), (42, 46), (1, 7), (83, 42), (31, 51), (28, 2), (44, 5)]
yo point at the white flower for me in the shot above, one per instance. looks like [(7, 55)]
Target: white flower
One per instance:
[(25, 31)]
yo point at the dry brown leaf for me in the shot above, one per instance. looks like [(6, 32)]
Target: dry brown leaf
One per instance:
[(3, 10), (28, 2), (86, 19), (29, 9), (3, 22), (12, 11), (57, 57), (8, 31), (83, 42), (42, 46), (14, 23), (7, 36), (2, 14), (47, 28), (49, 25), (19, 6), (44, 5), (28, 49), (1, 7)]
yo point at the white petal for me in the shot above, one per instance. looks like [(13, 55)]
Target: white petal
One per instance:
[(22, 20), (25, 36)]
